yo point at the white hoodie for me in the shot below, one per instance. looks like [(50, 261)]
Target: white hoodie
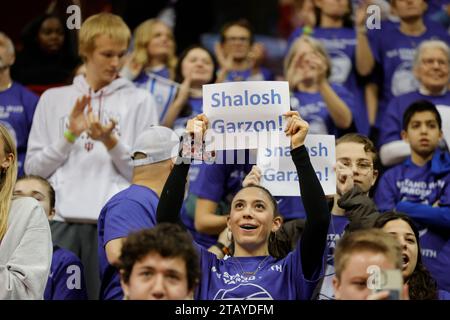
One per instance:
[(85, 174)]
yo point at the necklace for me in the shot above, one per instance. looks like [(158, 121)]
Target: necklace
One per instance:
[(250, 273)]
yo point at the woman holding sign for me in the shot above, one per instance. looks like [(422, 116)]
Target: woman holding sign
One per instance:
[(251, 273), (327, 107)]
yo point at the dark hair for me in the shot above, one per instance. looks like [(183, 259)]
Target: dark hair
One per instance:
[(420, 106), (31, 30), (50, 190), (276, 213), (277, 249), (243, 23), (166, 239), (360, 139), (187, 110), (421, 285), (347, 18), (179, 75)]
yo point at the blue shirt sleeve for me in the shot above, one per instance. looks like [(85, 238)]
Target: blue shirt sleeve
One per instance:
[(68, 282), (426, 214), (125, 217), (387, 193), (30, 101)]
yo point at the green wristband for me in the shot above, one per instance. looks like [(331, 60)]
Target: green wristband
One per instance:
[(70, 136)]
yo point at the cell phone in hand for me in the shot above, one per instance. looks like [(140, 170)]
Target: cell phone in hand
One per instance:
[(391, 281)]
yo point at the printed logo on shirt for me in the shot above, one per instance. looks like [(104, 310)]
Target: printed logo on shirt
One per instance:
[(5, 111), (411, 190), (428, 253), (341, 66), (248, 291), (403, 80)]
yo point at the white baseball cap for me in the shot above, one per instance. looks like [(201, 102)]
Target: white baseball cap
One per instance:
[(158, 143)]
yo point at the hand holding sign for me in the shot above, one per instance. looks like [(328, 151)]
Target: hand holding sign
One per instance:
[(193, 143), (253, 178), (297, 128)]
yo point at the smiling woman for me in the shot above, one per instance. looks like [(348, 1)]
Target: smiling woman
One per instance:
[(252, 273)]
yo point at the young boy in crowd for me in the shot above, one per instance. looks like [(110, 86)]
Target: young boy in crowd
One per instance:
[(357, 258), (81, 137), (159, 263), (420, 187)]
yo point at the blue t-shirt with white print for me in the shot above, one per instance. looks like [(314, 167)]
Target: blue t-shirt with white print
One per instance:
[(130, 210), (340, 44), (219, 183), (335, 232), (412, 183), (393, 121), (395, 55), (273, 279), (313, 109), (414, 190), (66, 279), (435, 249), (17, 106), (157, 82)]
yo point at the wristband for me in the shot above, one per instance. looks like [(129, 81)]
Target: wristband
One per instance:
[(70, 136)]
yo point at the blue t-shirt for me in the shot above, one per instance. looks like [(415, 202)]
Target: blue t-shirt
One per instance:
[(276, 279), (17, 106), (66, 279), (313, 109), (263, 74), (335, 232), (435, 249), (196, 107), (220, 183), (393, 120), (340, 44), (395, 55), (164, 90), (443, 295), (409, 182), (414, 190), (130, 210)]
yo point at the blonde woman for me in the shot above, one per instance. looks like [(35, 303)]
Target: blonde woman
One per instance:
[(151, 65), (25, 240), (326, 107)]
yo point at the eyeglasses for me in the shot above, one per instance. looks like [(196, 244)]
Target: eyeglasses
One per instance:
[(431, 61), (362, 166), (237, 39)]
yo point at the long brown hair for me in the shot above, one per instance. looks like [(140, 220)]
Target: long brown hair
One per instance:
[(8, 178)]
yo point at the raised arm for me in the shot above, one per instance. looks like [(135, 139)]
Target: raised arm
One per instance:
[(172, 195), (314, 237)]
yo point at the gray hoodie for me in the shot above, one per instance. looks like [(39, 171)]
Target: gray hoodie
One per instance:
[(25, 251)]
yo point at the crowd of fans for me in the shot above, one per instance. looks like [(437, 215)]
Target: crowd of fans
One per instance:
[(94, 124)]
